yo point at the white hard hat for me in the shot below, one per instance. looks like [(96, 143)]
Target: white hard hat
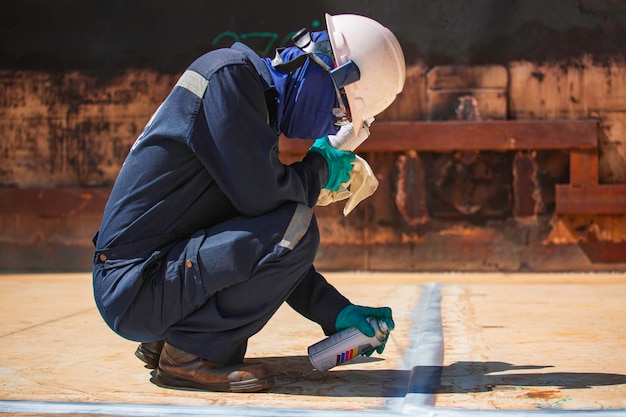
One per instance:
[(379, 58)]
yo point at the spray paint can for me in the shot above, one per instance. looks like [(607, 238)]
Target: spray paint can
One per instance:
[(346, 345)]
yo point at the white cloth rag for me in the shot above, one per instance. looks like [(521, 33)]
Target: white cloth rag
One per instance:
[(362, 184)]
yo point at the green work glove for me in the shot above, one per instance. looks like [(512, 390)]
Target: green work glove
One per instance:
[(356, 316), (339, 162)]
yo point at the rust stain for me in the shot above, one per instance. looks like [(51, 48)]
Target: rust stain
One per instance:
[(577, 229), (469, 232), (468, 108), (469, 185), (543, 394), (526, 187), (84, 200), (410, 195)]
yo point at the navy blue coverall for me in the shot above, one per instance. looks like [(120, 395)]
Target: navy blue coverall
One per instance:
[(206, 233)]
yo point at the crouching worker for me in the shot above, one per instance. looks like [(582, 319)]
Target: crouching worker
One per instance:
[(206, 233)]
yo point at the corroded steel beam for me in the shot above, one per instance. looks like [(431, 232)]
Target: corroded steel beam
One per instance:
[(579, 136), (53, 201), (451, 136), (584, 167), (592, 199)]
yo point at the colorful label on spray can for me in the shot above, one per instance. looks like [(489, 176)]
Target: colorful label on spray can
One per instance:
[(345, 346), (347, 355)]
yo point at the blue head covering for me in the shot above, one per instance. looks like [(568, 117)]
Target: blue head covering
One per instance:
[(306, 96)]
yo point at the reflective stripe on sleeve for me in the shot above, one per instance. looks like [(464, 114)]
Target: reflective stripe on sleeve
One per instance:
[(193, 82), (298, 226)]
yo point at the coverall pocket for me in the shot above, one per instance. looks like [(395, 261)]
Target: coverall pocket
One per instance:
[(183, 273)]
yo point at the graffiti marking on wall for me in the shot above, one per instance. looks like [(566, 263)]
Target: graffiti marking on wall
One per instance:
[(263, 42)]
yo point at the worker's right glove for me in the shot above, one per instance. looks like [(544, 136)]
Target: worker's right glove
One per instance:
[(356, 316), (339, 162)]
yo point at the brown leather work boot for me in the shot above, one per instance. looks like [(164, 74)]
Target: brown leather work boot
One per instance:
[(149, 353), (181, 369)]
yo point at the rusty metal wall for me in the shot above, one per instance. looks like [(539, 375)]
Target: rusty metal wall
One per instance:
[(78, 80)]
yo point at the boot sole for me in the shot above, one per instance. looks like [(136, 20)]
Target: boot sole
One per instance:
[(250, 385)]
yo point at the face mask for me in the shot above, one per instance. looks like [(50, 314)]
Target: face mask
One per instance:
[(306, 96)]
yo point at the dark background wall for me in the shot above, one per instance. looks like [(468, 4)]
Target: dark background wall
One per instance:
[(109, 35)]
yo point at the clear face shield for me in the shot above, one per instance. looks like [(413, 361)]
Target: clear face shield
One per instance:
[(341, 114), (342, 76)]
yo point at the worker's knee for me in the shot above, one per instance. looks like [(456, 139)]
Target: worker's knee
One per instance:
[(309, 244), (301, 238)]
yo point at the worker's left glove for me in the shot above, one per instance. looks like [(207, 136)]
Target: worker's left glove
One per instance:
[(362, 184), (356, 316), (339, 162)]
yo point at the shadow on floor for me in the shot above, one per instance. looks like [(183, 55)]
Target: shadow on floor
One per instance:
[(472, 377), (295, 376)]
